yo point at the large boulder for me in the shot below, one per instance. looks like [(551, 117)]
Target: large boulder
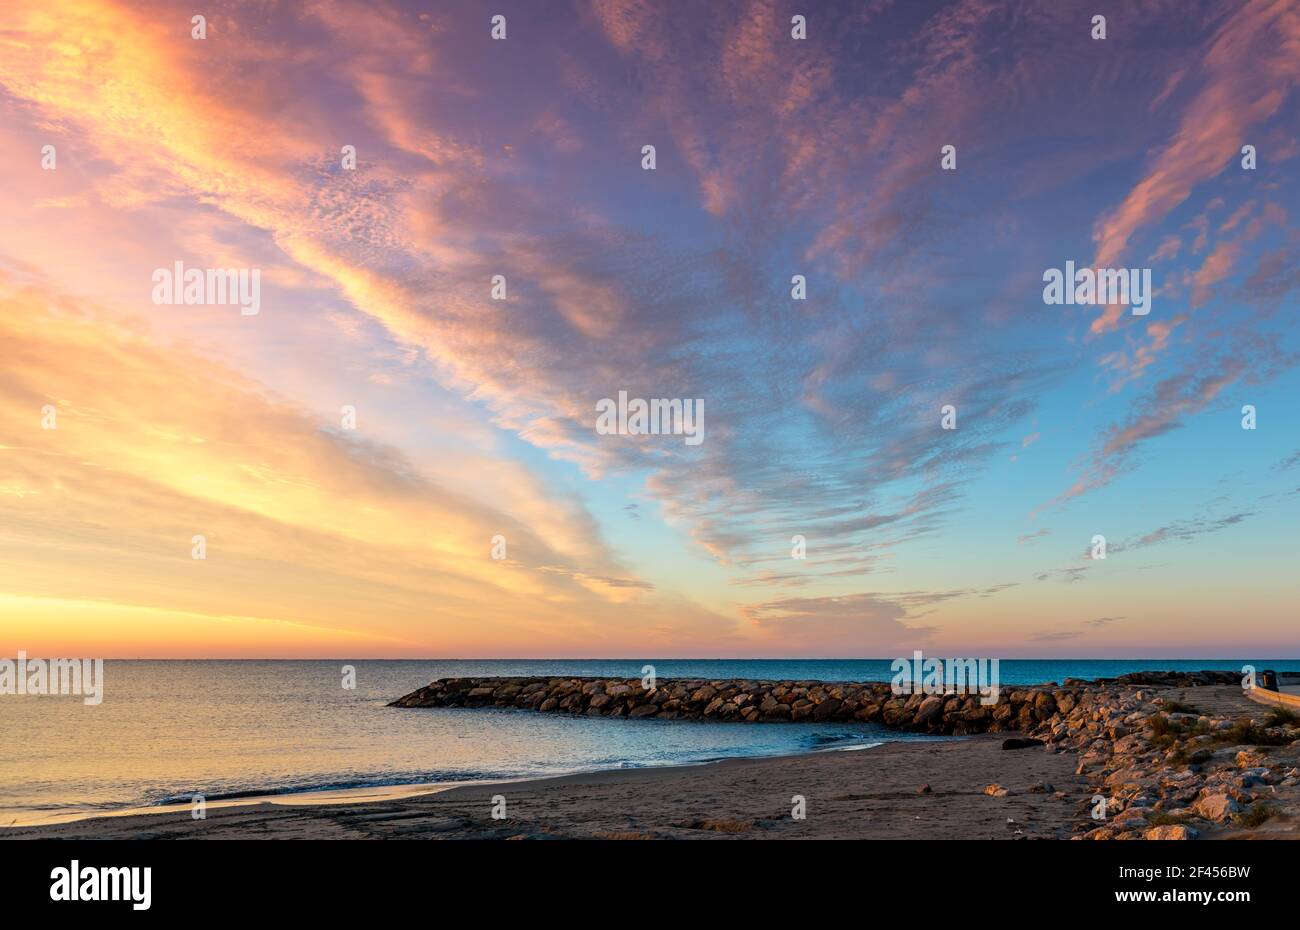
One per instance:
[(1217, 807), (929, 711), (827, 708)]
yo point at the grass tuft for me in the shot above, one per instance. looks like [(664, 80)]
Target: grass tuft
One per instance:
[(1282, 717), (1246, 733), (1166, 732), (1255, 815)]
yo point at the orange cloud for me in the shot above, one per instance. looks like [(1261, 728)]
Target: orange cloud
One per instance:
[(328, 540)]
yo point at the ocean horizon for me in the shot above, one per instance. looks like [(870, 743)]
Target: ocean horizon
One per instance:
[(169, 729)]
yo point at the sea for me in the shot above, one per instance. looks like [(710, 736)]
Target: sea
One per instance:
[(168, 730)]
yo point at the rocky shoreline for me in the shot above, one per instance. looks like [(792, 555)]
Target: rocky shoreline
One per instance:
[(1159, 768)]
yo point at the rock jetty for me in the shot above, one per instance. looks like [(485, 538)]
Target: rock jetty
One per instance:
[(753, 701), (744, 700)]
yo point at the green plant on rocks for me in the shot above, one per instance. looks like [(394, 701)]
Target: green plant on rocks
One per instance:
[(1255, 815)]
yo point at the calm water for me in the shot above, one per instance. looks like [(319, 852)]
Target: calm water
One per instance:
[(167, 730)]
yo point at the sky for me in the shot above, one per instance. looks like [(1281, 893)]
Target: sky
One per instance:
[(475, 417)]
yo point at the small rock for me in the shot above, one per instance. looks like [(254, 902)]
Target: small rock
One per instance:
[(1132, 818), (1249, 759), (1021, 743), (1171, 831)]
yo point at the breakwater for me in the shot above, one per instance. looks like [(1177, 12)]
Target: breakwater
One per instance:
[(755, 701)]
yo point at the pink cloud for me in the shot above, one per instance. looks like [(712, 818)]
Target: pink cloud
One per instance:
[(1251, 66)]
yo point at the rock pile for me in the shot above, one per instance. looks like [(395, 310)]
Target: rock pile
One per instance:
[(1166, 771), (1166, 679)]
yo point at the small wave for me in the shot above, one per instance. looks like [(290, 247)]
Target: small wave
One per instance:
[(377, 781)]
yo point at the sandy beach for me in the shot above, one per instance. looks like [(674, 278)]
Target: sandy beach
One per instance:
[(873, 793)]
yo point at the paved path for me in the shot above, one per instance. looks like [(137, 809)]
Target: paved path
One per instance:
[(1224, 700)]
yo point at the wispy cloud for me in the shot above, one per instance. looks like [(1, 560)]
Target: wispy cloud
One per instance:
[(776, 157)]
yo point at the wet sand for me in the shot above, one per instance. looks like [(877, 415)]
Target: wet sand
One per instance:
[(866, 794)]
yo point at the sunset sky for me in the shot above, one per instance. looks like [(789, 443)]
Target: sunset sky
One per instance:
[(476, 417)]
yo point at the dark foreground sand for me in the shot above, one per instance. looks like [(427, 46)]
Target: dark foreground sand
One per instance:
[(865, 794)]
